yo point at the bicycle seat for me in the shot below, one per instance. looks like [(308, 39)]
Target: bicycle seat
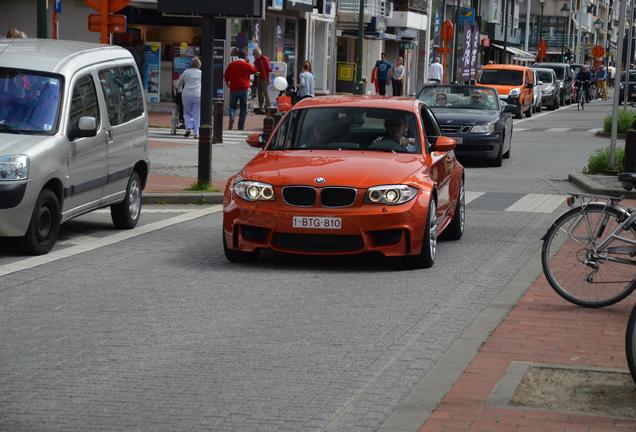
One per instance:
[(628, 179)]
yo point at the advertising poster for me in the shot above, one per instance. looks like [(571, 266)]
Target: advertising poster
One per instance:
[(280, 41), (179, 64), (471, 49), (152, 68), (218, 56), (279, 69)]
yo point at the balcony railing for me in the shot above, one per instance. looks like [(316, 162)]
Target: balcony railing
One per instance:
[(554, 41), (372, 8)]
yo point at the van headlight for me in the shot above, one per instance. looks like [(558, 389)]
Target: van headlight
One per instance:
[(487, 128), (14, 167), (514, 92), (390, 194), (254, 191)]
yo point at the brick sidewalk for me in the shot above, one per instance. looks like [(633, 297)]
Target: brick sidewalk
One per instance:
[(253, 122), (541, 328)]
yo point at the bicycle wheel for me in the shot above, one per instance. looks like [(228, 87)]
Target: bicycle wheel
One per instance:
[(630, 343), (174, 120), (574, 267)]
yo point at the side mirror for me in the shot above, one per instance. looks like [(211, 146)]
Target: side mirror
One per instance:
[(529, 85), (444, 144), (86, 127), (255, 140), (539, 83), (510, 108)]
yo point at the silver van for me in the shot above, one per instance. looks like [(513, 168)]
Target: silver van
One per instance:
[(73, 137)]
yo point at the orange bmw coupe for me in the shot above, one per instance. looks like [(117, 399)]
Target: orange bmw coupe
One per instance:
[(346, 175)]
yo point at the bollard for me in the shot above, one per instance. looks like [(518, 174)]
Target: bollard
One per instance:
[(217, 136), (629, 163)]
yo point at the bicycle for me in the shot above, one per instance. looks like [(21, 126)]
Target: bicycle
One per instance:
[(587, 253), (581, 95)]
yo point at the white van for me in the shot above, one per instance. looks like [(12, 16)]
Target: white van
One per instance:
[(73, 137)]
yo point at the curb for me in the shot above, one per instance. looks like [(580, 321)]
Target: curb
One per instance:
[(182, 198), (602, 133), (589, 185)]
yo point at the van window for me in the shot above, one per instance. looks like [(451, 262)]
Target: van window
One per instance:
[(122, 93), (83, 101)]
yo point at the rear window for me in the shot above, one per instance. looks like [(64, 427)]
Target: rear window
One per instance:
[(124, 98), (545, 77), (501, 76)]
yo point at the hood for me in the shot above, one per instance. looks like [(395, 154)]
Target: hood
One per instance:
[(11, 144), (360, 169), (466, 117)]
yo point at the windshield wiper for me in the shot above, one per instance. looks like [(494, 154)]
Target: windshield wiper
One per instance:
[(5, 128)]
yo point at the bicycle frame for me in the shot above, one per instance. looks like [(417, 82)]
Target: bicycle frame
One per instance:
[(626, 224)]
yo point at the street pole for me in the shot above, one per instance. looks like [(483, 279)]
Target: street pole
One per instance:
[(429, 34), (359, 46), (569, 33), (506, 29), (628, 58), (619, 64), (541, 21), (579, 33), (563, 40), (528, 24), (42, 24), (207, 64)]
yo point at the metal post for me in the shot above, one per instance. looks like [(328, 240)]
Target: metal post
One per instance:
[(569, 32), (42, 25), (429, 34), (528, 24), (563, 40), (506, 29), (359, 88), (628, 58), (207, 64), (619, 63), (579, 49), (541, 22)]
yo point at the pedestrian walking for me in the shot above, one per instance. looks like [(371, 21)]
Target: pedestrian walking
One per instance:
[(436, 71), (383, 67), (601, 81), (237, 76), (264, 68), (190, 85), (397, 77), (306, 82), (611, 73)]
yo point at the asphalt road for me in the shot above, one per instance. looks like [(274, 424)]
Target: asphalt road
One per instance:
[(153, 330)]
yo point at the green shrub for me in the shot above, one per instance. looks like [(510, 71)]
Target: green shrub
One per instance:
[(625, 120), (598, 163), (201, 187)]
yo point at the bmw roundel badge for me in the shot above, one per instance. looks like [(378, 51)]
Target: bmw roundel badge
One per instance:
[(320, 179)]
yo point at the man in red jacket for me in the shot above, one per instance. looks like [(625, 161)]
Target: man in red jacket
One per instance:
[(264, 68), (237, 76)]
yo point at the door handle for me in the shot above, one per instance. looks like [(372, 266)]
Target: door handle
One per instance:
[(109, 135)]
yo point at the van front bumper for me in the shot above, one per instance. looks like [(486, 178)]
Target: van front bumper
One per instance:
[(15, 209)]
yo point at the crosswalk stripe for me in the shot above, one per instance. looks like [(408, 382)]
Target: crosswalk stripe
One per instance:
[(537, 203), (472, 196), (592, 130)]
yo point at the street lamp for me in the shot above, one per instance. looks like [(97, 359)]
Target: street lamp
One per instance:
[(541, 48), (565, 12), (541, 20)]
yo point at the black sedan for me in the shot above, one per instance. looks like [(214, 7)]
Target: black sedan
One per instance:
[(632, 87), (474, 114)]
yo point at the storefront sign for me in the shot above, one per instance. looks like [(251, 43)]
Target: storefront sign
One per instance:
[(280, 38), (407, 45), (471, 49), (218, 56), (346, 71), (300, 5), (231, 8), (276, 5), (152, 70), (58, 6)]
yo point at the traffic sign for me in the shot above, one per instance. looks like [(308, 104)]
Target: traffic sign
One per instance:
[(113, 5), (598, 51), (116, 23), (447, 31)]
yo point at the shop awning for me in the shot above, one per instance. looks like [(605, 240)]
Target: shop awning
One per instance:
[(517, 54)]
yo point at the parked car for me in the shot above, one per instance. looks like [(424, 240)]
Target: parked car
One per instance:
[(565, 75), (73, 137), (514, 83), (538, 93), (485, 128), (346, 175), (632, 87), (550, 91)]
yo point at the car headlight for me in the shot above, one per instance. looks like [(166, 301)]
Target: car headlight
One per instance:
[(514, 92), (390, 194), (561, 84), (548, 91), (254, 191), (14, 167), (487, 128), (622, 86)]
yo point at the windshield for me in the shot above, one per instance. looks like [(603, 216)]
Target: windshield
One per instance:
[(29, 101), (459, 97), (544, 76), (501, 76), (346, 128), (632, 76)]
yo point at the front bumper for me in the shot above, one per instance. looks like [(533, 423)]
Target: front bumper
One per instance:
[(482, 145), (16, 206), (390, 230)]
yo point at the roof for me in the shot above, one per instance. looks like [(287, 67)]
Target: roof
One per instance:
[(50, 55), (505, 66), (399, 103)]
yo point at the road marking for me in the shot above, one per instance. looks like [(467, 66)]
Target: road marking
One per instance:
[(592, 130), (520, 129), (76, 239), (557, 130), (472, 196), (567, 107), (537, 203), (28, 263)]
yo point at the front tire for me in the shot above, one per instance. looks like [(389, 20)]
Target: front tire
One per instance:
[(426, 257), (630, 343), (44, 227), (125, 215), (455, 229)]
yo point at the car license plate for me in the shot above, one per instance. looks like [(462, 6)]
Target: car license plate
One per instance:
[(317, 222)]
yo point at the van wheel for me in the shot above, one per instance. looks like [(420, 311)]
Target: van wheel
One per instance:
[(125, 215), (44, 226)]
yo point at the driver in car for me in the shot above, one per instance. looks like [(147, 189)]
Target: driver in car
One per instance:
[(477, 99), (395, 136)]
